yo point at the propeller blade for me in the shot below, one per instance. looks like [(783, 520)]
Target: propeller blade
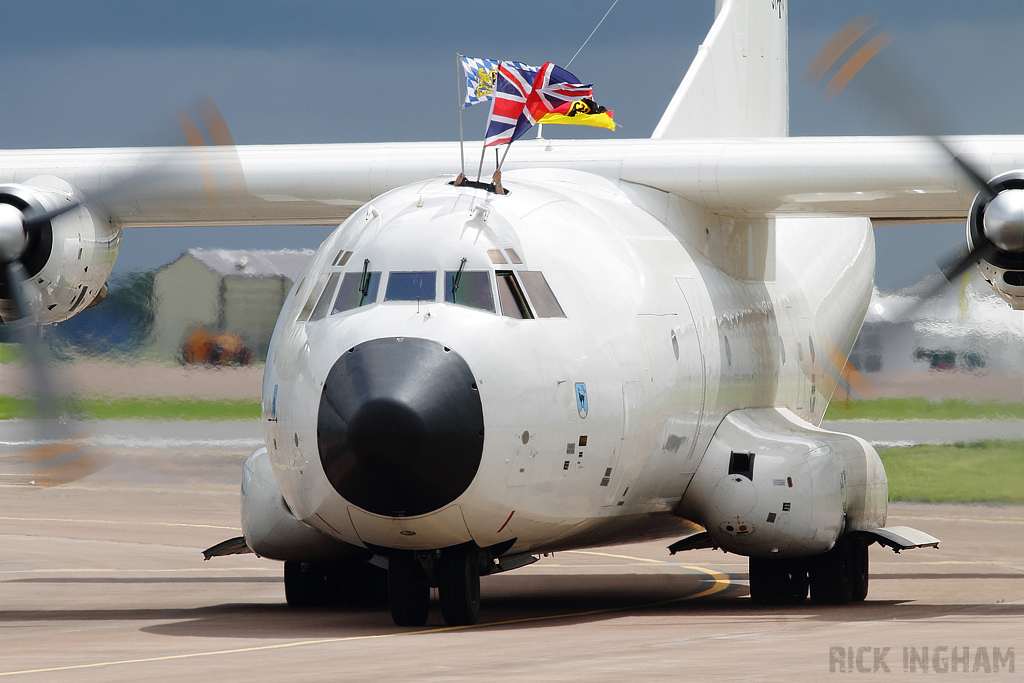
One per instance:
[(28, 334), (980, 184), (33, 217), (16, 277), (883, 88), (958, 266)]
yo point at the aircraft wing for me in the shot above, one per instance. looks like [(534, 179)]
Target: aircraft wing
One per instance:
[(885, 179)]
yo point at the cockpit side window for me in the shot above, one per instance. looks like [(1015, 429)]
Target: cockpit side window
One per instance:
[(510, 295), (356, 291), (417, 286), (474, 289), (320, 310), (314, 295), (541, 296)]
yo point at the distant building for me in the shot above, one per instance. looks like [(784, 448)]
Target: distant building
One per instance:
[(968, 329), (223, 291)]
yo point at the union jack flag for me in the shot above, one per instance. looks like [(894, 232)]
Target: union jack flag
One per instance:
[(553, 87), (513, 85)]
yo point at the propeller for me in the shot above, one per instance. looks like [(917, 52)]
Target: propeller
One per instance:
[(58, 451), (998, 209)]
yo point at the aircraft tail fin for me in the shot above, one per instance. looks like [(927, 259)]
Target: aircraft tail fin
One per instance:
[(738, 84)]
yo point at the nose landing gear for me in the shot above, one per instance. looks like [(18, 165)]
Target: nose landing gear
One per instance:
[(456, 573), (408, 590)]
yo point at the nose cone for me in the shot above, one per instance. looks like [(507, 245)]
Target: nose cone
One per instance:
[(400, 427)]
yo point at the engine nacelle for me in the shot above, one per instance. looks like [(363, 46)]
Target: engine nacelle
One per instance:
[(773, 485), (69, 260), (269, 527), (999, 222)]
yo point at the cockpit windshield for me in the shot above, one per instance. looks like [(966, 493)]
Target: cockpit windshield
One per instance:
[(417, 286), (356, 290), (469, 288)]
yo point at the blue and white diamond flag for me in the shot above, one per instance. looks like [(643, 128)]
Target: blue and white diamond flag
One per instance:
[(481, 77)]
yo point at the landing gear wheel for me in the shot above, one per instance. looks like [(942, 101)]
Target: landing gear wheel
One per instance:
[(858, 568), (831, 581), (459, 585), (777, 582), (304, 583), (408, 590)]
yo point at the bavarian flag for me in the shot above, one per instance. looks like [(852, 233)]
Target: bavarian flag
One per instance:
[(585, 112)]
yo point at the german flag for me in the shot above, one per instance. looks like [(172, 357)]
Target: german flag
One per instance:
[(585, 112)]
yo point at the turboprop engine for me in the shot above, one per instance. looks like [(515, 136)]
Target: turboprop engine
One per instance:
[(995, 230), (55, 254)]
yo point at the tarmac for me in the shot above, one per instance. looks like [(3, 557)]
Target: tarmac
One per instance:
[(101, 579)]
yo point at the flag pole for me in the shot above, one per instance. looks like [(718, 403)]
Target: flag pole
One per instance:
[(507, 148), (483, 150), (458, 101), (480, 169)]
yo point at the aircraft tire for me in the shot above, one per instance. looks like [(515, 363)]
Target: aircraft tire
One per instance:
[(830, 575), (858, 568), (408, 590), (776, 582), (304, 583), (459, 585)]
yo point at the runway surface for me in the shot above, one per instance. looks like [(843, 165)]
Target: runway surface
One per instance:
[(101, 579)]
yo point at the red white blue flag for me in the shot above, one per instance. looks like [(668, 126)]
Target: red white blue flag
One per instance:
[(553, 88), (513, 85)]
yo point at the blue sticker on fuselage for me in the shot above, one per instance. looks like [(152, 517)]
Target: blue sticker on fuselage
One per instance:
[(273, 405), (581, 399)]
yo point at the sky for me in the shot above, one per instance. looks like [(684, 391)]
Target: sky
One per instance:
[(112, 73)]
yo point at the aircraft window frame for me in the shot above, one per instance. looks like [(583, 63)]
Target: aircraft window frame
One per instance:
[(470, 280), (513, 256), (326, 298), (372, 285), (542, 298), (313, 297), (388, 297), (497, 257), (342, 258), (510, 296)]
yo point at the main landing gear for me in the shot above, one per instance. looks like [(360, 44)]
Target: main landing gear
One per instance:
[(456, 573), (837, 577), (334, 584)]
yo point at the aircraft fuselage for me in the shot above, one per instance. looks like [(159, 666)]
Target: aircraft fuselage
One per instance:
[(566, 393)]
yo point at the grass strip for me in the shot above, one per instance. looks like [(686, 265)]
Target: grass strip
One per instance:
[(976, 472), (150, 408), (923, 409)]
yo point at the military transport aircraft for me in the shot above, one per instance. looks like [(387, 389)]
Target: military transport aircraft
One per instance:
[(637, 340)]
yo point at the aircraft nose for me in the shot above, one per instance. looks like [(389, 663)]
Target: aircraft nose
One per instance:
[(400, 427)]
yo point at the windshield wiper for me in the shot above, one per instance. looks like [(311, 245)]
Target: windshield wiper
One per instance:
[(364, 281), (457, 278)]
